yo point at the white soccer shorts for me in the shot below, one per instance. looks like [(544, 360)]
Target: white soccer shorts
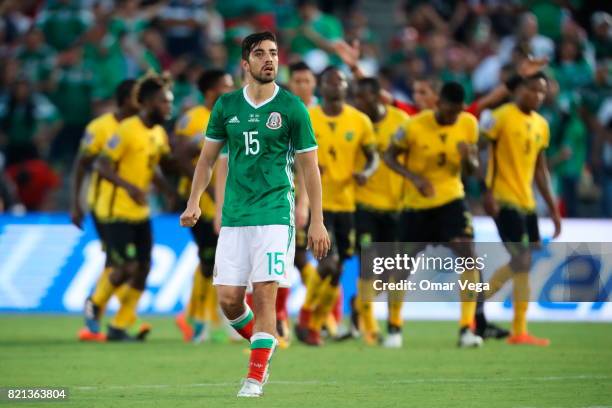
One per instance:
[(261, 253)]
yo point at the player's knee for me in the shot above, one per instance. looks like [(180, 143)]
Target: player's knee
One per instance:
[(521, 262), (118, 276), (139, 275)]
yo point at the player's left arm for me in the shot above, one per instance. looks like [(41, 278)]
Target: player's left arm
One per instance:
[(542, 179)]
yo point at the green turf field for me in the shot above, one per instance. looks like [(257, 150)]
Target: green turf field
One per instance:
[(576, 371)]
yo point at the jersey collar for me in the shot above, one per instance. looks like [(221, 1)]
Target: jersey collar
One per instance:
[(253, 104)]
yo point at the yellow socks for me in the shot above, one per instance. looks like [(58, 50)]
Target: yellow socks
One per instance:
[(327, 300), (498, 279), (211, 311), (195, 309), (126, 316), (520, 299), (365, 306), (468, 299), (104, 289), (312, 281)]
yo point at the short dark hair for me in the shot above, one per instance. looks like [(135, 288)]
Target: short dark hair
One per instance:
[(251, 41), (327, 70), (208, 79), (149, 85), (370, 82), (298, 66), (123, 92), (452, 92)]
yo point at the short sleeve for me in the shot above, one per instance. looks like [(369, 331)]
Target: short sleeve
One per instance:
[(401, 137), (368, 138), (93, 140), (216, 127), (545, 135), (491, 123), (301, 132), (187, 126), (471, 129), (116, 146)]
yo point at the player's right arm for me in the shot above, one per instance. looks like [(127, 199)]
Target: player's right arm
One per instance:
[(201, 180), (400, 146)]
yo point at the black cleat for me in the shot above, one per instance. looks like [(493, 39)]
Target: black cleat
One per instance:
[(121, 335), (491, 331)]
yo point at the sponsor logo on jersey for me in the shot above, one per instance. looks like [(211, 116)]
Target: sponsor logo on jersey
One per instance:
[(254, 118), (275, 121), (234, 120)]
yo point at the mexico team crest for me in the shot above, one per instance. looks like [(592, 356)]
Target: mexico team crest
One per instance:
[(275, 121)]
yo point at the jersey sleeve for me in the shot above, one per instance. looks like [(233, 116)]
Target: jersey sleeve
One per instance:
[(545, 135), (300, 128), (92, 142), (116, 146), (368, 137), (216, 126), (184, 126), (471, 129), (401, 137), (491, 123)]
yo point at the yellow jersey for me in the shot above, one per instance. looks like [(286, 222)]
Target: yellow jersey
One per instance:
[(433, 154), (135, 151), (383, 190), (517, 140), (340, 139), (192, 126), (97, 133)]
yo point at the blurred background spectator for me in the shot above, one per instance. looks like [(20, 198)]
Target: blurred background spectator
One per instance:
[(60, 61)]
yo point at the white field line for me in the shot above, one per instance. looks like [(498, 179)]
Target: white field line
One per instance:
[(585, 377)]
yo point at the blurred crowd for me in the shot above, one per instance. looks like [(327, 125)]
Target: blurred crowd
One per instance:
[(60, 61)]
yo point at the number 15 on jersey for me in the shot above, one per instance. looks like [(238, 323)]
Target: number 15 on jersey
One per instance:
[(251, 144)]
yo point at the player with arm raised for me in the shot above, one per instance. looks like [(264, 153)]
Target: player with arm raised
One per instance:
[(265, 129)]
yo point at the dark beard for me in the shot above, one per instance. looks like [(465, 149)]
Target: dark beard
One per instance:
[(261, 79)]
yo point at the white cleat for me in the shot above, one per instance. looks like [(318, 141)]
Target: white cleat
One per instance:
[(251, 389), (393, 341), (469, 339)]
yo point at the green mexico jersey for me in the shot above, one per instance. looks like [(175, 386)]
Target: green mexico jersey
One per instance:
[(262, 141)]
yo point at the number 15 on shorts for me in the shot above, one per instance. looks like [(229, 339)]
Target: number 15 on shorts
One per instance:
[(276, 263)]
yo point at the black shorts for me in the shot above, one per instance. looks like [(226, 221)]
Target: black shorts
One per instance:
[(128, 241), (375, 226), (440, 224), (205, 238), (517, 226), (341, 229), (99, 230)]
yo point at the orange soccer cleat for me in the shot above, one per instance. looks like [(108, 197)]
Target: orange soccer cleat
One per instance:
[(184, 327), (87, 335), (528, 339)]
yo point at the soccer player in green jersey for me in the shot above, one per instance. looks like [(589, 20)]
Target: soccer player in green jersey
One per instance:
[(265, 129)]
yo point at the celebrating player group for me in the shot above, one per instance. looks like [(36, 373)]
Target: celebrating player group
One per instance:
[(268, 173)]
